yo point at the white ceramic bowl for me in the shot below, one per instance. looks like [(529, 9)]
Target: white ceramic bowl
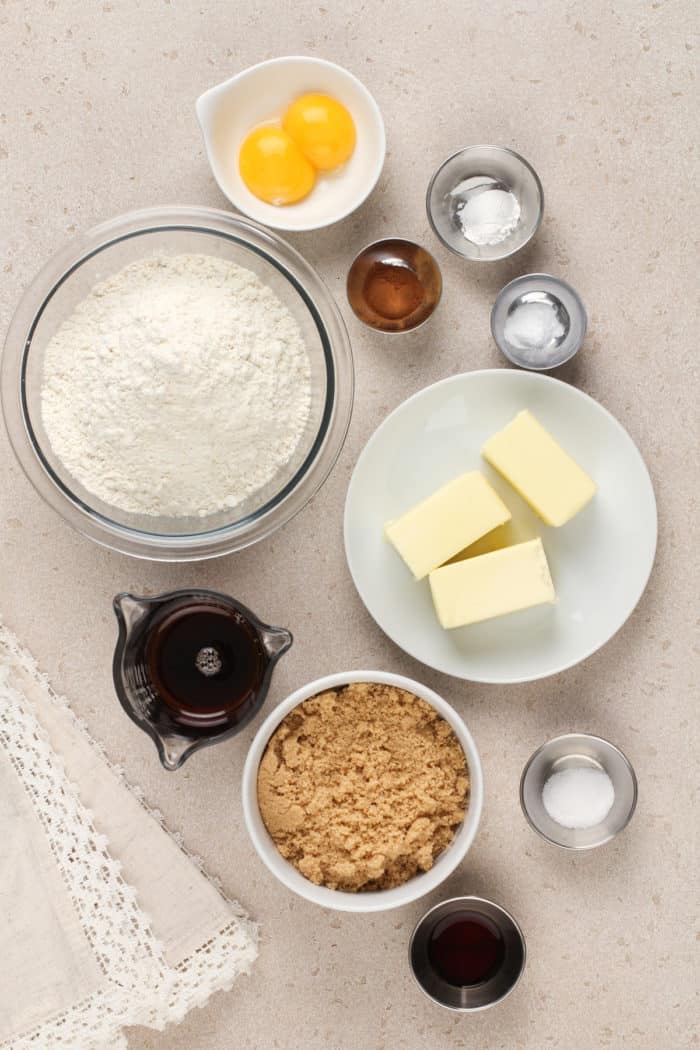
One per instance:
[(262, 93), (379, 900)]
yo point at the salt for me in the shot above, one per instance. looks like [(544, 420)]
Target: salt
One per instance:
[(533, 325), (535, 329), (580, 797), (485, 210)]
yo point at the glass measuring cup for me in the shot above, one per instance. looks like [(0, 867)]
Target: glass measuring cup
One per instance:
[(192, 667)]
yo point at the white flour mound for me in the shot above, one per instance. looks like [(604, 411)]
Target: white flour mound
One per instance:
[(179, 386)]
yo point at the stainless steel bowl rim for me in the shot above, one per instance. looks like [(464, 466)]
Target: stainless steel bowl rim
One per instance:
[(465, 901), (507, 290), (599, 740)]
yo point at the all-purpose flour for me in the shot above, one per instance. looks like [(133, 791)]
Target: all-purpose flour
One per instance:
[(179, 386)]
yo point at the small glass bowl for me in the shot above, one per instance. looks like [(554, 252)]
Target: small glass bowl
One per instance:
[(405, 257), (68, 278), (495, 162)]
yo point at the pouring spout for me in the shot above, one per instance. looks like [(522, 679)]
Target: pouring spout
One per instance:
[(276, 640), (128, 609), (173, 751)]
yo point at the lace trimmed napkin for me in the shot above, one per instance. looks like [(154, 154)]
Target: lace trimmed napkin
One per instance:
[(106, 920)]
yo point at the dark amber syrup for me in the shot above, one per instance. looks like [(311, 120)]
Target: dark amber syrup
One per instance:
[(205, 663), (394, 285), (466, 949), (393, 290)]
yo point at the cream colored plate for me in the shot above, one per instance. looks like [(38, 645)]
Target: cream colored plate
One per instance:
[(600, 561)]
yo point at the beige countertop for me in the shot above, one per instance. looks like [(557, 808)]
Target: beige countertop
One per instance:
[(96, 118)]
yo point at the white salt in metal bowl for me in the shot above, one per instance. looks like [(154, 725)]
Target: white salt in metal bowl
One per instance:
[(378, 900), (261, 94), (567, 307), (576, 751)]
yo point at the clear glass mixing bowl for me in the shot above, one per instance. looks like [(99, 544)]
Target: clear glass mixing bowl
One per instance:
[(105, 249)]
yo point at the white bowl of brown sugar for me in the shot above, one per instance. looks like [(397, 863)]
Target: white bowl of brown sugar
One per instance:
[(362, 791)]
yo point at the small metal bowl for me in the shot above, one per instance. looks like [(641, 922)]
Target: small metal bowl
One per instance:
[(570, 751), (474, 997), (493, 162), (567, 307)]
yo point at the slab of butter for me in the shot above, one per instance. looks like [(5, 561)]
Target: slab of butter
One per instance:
[(445, 523), (492, 584), (539, 469)]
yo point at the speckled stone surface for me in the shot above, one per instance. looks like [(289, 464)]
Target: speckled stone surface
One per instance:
[(96, 118)]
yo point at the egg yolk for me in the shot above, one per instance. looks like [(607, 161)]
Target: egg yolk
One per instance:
[(323, 130), (274, 168)]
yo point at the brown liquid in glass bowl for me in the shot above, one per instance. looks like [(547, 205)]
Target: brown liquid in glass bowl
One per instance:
[(394, 285), (206, 662)]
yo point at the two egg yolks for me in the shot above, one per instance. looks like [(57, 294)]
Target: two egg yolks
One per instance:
[(279, 164)]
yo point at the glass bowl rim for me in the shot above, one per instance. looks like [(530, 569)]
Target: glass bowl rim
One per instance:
[(473, 149)]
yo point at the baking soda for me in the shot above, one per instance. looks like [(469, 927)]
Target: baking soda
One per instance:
[(486, 211)]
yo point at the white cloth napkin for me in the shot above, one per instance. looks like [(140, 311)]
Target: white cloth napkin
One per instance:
[(106, 920)]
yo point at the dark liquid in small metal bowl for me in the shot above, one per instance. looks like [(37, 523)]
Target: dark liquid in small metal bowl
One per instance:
[(466, 949), (467, 953)]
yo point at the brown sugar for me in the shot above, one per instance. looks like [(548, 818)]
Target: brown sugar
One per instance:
[(362, 787)]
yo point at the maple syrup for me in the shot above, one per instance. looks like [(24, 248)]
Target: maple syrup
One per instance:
[(205, 662), (394, 285), (466, 948)]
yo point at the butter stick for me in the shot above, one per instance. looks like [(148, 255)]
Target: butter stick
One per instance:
[(490, 585), (539, 469), (458, 514)]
